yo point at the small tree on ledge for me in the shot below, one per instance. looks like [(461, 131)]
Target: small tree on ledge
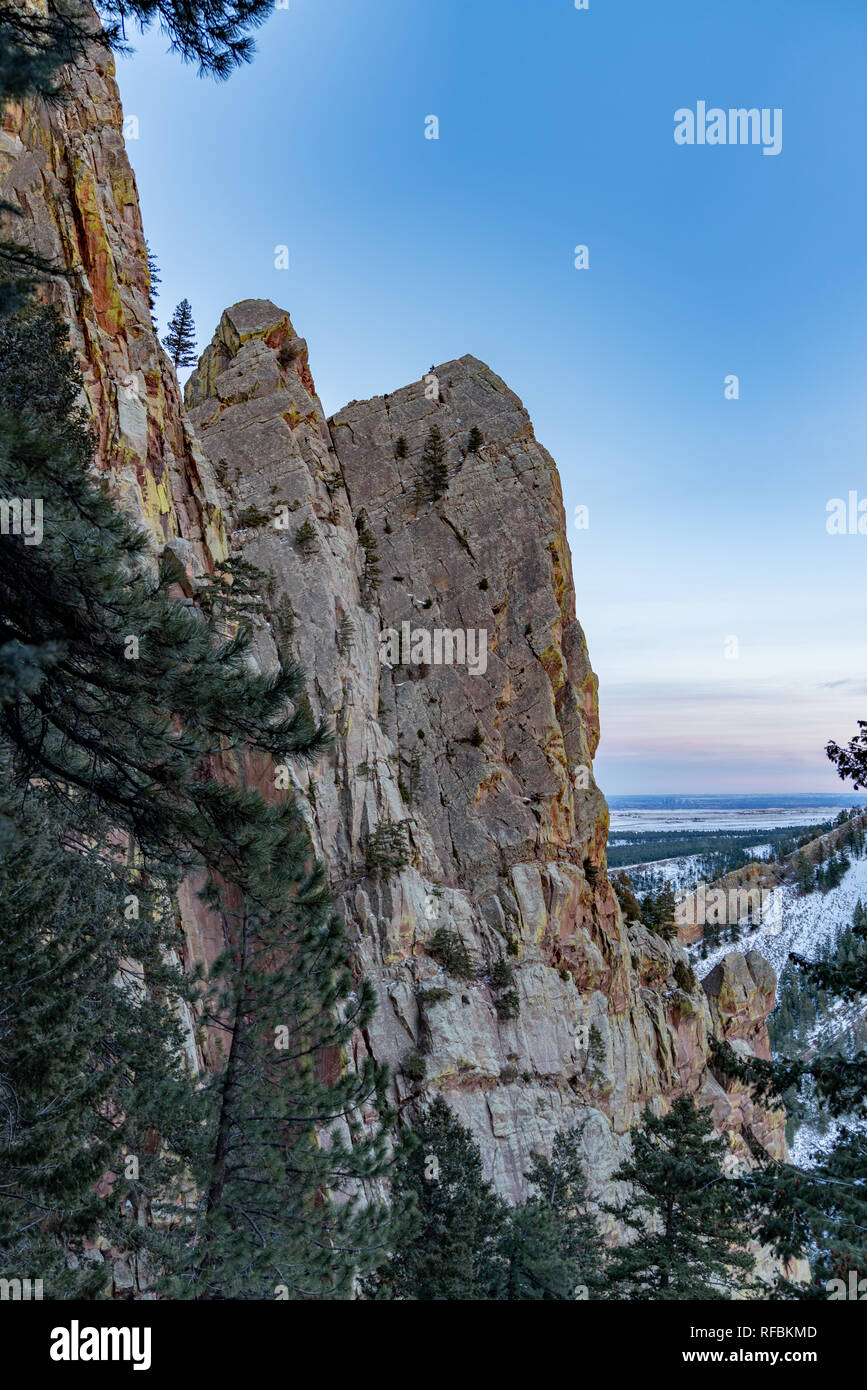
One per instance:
[(180, 340)]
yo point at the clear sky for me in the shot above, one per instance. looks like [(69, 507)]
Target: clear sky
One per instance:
[(556, 128)]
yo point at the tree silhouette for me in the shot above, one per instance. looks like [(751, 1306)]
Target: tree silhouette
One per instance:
[(180, 340)]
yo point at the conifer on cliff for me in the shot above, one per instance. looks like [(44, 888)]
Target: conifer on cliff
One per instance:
[(464, 1242), (452, 1250), (688, 1221), (125, 718), (434, 478), (180, 340)]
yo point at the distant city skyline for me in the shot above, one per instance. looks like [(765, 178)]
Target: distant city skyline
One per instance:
[(707, 497)]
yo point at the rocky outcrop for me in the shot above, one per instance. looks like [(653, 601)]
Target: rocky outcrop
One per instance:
[(506, 975), (741, 992), (66, 170), (571, 1015)]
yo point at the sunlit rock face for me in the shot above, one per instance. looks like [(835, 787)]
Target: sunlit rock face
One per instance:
[(480, 746), (67, 170)]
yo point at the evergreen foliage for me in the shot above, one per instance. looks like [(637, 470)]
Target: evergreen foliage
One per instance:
[(90, 1053), (306, 538), (818, 1212), (689, 1222), (447, 948), (451, 1249), (371, 573), (434, 478), (463, 1242), (561, 1190), (125, 720), (657, 913), (154, 280), (629, 904), (387, 849), (180, 340)]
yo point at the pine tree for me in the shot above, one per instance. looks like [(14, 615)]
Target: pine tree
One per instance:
[(90, 1061), (819, 1212), (124, 708), (434, 479), (536, 1265), (180, 340), (34, 46), (452, 1246), (657, 913), (554, 1247), (267, 1229), (804, 873), (629, 904), (154, 279), (690, 1222)]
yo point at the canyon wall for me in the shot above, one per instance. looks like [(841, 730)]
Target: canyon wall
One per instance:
[(572, 1015)]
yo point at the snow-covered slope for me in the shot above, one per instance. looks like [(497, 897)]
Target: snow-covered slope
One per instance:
[(807, 923)]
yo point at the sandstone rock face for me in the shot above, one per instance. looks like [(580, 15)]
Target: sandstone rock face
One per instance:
[(741, 993), (67, 171), (571, 1014), (486, 765)]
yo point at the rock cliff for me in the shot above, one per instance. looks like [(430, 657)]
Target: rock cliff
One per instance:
[(456, 812), (572, 1015)]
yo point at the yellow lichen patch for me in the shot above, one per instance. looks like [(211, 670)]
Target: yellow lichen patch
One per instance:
[(227, 332), (98, 260), (562, 584), (123, 185), (214, 527), (157, 500), (282, 322), (488, 783), (555, 667), (555, 749), (561, 817), (601, 824)]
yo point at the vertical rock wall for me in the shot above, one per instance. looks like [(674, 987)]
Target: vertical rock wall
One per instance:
[(490, 773), (488, 770)]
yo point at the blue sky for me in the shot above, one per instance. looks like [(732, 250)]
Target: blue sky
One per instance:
[(707, 515)]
